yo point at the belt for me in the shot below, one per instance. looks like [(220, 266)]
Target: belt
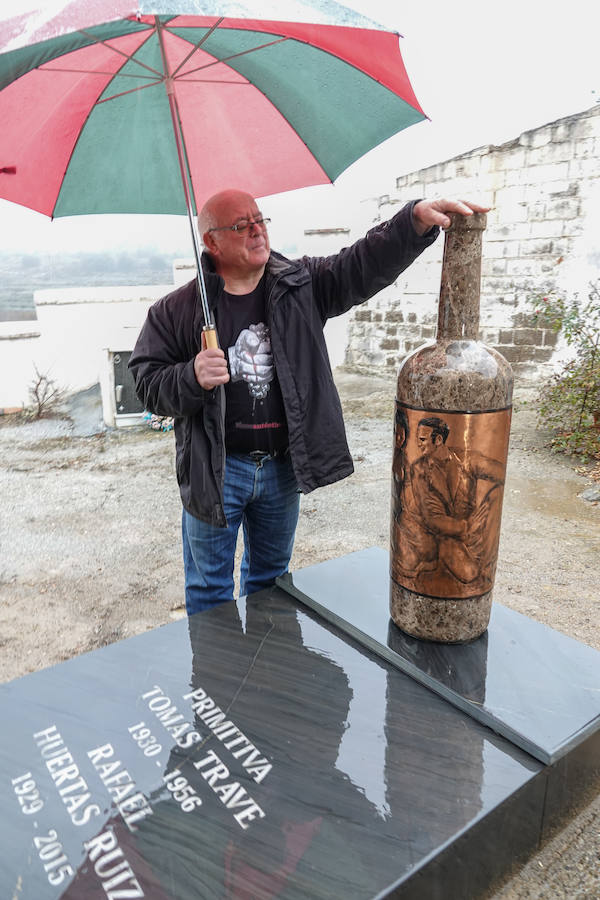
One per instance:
[(258, 456)]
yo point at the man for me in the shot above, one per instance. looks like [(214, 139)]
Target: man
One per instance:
[(258, 419), (447, 529)]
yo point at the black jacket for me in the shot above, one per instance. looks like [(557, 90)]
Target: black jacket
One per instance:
[(300, 296)]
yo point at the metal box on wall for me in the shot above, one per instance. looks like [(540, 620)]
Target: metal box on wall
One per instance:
[(119, 401)]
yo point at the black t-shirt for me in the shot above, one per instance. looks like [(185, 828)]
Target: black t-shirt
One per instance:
[(255, 416)]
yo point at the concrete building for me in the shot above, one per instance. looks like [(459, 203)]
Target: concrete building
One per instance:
[(70, 341)]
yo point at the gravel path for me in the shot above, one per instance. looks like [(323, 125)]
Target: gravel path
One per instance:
[(91, 554)]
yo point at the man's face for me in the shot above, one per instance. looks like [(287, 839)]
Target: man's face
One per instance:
[(400, 436), (238, 252), (425, 444)]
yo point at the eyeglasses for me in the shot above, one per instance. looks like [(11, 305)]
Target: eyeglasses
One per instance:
[(243, 225)]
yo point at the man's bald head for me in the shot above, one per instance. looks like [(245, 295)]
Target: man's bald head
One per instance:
[(216, 211)]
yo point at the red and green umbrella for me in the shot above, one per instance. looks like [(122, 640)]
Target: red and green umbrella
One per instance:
[(114, 117)]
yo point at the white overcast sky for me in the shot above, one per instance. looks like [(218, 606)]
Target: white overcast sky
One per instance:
[(482, 71)]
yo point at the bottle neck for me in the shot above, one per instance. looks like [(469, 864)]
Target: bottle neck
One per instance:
[(458, 316)]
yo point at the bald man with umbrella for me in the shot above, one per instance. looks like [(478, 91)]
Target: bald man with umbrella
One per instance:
[(258, 418)]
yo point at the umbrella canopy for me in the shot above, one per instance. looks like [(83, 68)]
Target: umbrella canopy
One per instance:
[(91, 117)]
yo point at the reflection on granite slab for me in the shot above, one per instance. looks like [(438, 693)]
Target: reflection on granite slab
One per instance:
[(250, 751), (531, 684)]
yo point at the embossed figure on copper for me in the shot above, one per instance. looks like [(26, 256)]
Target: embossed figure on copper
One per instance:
[(447, 500)]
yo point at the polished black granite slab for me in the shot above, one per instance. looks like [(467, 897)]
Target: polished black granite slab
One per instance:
[(531, 684), (253, 751)]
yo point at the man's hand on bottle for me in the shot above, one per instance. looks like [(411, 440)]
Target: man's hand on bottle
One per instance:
[(427, 213), (210, 367)]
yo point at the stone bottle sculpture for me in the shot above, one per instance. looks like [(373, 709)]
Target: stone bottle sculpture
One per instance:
[(453, 411)]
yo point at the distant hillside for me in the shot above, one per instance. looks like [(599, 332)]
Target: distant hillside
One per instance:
[(23, 273)]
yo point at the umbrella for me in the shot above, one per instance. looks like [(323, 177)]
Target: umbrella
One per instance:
[(153, 113)]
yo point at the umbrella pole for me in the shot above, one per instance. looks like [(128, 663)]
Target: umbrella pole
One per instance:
[(209, 330)]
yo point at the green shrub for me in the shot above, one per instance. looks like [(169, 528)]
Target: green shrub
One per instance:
[(570, 403)]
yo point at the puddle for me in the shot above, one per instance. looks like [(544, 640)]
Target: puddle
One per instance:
[(558, 498)]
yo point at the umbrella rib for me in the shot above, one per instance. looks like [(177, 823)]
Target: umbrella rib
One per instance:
[(152, 78), (186, 80), (198, 45), (127, 56), (141, 87), (226, 59)]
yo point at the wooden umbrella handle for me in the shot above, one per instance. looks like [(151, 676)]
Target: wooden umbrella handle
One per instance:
[(210, 337)]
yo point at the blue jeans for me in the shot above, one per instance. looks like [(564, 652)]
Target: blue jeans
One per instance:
[(263, 496)]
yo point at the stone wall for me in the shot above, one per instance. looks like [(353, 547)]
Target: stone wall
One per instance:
[(542, 234)]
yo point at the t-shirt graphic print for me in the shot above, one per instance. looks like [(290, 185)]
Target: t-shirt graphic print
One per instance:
[(251, 360), (254, 412)]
